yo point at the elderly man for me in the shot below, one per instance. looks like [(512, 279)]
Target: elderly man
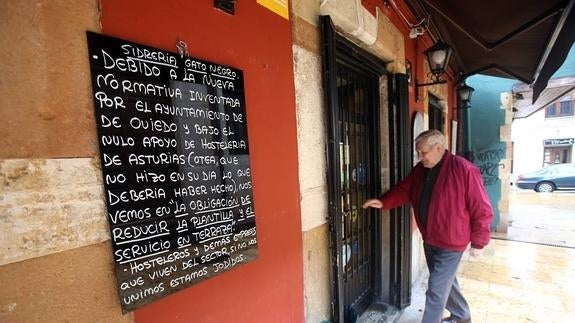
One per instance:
[(452, 210)]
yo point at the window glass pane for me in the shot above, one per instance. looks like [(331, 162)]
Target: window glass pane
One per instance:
[(567, 108), (560, 109), (550, 111)]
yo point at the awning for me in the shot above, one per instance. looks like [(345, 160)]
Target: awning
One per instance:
[(527, 40), (556, 89)]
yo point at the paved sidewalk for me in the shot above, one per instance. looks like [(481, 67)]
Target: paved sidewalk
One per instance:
[(524, 276), (546, 218), (513, 282)]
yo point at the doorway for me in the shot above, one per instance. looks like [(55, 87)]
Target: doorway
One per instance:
[(556, 155), (368, 258)]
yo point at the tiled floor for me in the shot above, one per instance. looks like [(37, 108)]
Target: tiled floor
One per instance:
[(513, 282)]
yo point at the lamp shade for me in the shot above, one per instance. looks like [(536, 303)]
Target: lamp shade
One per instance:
[(438, 57), (465, 91)]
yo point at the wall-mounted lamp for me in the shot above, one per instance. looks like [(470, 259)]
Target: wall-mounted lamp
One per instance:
[(438, 57), (465, 91)]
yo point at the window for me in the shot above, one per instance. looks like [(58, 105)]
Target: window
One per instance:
[(560, 109), (436, 119), (556, 155), (567, 108)]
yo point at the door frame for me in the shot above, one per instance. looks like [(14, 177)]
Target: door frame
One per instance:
[(336, 48)]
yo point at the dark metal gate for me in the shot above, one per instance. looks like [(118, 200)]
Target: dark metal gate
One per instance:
[(358, 101), (400, 218), (353, 167)]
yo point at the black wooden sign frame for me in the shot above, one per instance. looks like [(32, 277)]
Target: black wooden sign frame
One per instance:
[(174, 149)]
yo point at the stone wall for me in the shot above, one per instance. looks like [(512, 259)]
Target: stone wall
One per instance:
[(55, 255), (378, 36)]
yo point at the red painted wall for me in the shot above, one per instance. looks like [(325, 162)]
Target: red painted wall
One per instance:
[(413, 51), (257, 41)]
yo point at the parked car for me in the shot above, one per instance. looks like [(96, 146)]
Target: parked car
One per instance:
[(548, 179)]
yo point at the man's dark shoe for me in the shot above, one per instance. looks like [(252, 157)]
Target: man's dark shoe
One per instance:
[(452, 320)]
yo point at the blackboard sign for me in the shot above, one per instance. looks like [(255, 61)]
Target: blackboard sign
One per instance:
[(175, 160)]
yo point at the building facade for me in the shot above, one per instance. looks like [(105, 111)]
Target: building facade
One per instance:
[(57, 261)]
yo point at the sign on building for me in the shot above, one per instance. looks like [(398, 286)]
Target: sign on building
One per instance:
[(174, 149)]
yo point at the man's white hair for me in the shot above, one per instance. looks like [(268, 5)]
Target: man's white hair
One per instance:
[(431, 137)]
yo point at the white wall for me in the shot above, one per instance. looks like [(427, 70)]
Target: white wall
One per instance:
[(528, 135)]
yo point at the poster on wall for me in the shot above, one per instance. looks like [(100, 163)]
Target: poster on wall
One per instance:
[(418, 128), (172, 133), (453, 136)]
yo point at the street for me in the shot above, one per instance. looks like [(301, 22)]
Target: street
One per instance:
[(545, 218)]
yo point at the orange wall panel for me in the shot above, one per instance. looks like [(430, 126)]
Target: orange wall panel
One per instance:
[(257, 41)]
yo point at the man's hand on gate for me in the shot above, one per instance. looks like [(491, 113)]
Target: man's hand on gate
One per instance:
[(372, 203)]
